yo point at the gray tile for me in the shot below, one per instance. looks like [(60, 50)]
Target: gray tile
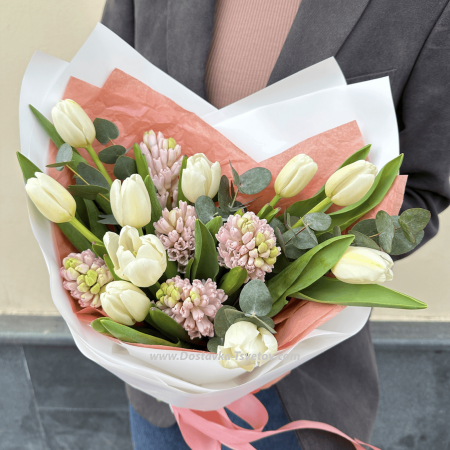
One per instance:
[(63, 377), (414, 408), (87, 430), (20, 428)]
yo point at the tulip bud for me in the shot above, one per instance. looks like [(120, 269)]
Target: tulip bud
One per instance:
[(130, 202), (351, 183), (361, 265), (201, 177), (246, 346), (124, 302), (139, 259), (73, 124), (50, 198), (295, 175)]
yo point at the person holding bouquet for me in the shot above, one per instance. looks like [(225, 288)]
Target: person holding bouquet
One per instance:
[(225, 50)]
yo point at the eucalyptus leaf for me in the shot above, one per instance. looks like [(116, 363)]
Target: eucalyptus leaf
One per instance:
[(302, 240), (233, 280), (107, 219), (124, 167), (110, 154), (336, 231), (91, 175), (333, 291), (260, 322), (361, 240), (255, 298), (105, 130), (233, 315), (63, 157), (416, 219), (400, 244), (221, 323), (235, 175), (407, 231), (87, 191), (318, 221), (280, 239), (277, 223), (293, 252), (255, 180), (224, 195), (324, 237), (367, 227), (205, 208), (386, 229), (213, 343)]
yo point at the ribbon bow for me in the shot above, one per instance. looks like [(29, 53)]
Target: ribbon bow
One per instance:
[(207, 430)]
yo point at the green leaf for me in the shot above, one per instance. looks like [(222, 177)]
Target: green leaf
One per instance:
[(333, 291), (28, 168), (110, 266), (318, 221), (188, 269), (107, 219), (400, 244), (224, 195), (255, 180), (270, 216), (205, 263), (306, 269), (221, 323), (213, 343), (156, 213), (407, 231), (235, 175), (63, 157), (361, 240), (385, 227), (91, 175), (367, 227), (141, 162), (266, 209), (416, 219), (233, 280), (166, 325), (302, 240), (48, 127), (205, 208), (74, 236), (110, 154), (383, 182), (81, 212), (280, 239), (105, 130), (214, 226), (255, 298), (99, 250), (302, 207), (181, 197), (336, 231), (277, 223), (125, 167), (89, 192), (127, 334), (97, 228), (171, 270)]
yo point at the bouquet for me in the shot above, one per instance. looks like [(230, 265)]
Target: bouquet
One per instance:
[(189, 266)]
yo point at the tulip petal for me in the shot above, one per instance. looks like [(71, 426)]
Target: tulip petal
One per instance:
[(143, 272), (136, 304), (193, 185), (215, 181), (58, 192), (79, 117), (134, 204), (115, 309), (111, 241), (355, 191), (67, 130), (129, 239), (116, 202)]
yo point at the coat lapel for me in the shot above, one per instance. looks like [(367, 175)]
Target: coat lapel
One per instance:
[(318, 32), (190, 26)]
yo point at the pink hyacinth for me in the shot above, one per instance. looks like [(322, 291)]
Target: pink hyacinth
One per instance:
[(176, 230), (249, 242), (164, 162), (85, 276), (194, 306)]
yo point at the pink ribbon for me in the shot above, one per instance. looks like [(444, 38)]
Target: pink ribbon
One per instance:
[(207, 430)]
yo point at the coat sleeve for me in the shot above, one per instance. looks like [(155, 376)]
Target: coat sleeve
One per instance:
[(424, 125), (118, 16)]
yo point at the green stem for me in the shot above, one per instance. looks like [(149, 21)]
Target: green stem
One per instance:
[(91, 237), (141, 233), (98, 163), (320, 207), (274, 201), (235, 196)]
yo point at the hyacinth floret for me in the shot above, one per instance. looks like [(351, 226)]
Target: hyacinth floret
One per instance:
[(249, 242), (164, 163), (176, 231), (193, 305), (86, 277)]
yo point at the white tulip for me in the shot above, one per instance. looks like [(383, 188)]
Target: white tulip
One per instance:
[(73, 124), (351, 183), (124, 302), (50, 198), (139, 259), (246, 346), (201, 177), (361, 265), (130, 202), (295, 175)]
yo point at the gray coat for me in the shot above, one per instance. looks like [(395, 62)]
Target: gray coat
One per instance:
[(409, 40)]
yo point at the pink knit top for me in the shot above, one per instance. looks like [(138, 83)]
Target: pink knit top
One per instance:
[(247, 40)]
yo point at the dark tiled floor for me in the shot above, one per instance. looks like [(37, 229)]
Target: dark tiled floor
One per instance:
[(53, 398)]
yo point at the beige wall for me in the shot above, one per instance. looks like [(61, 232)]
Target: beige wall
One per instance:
[(59, 27)]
